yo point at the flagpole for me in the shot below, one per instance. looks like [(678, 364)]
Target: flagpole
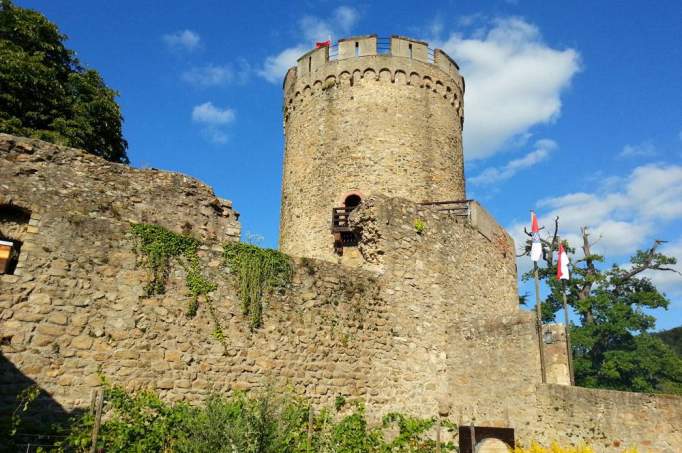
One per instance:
[(569, 349), (538, 313)]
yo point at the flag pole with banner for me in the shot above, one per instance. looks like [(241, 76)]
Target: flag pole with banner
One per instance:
[(535, 255), (562, 274)]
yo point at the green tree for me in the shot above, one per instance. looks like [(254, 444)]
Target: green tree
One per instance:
[(672, 338), (46, 94), (613, 344)]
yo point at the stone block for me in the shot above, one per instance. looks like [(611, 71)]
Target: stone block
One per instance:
[(51, 329), (82, 342)]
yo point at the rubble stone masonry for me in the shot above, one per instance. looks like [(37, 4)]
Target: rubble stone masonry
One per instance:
[(427, 322), (369, 124)]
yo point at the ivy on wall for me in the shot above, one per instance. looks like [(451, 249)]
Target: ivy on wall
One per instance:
[(160, 247), (258, 271)]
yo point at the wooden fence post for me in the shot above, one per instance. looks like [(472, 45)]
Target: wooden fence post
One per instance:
[(310, 427), (98, 420)]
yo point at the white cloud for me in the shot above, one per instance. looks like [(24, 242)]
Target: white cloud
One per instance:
[(207, 113), (492, 175), (645, 149), (276, 66), (215, 135), (213, 119), (345, 17), (313, 29), (621, 219), (187, 40), (514, 81), (216, 75)]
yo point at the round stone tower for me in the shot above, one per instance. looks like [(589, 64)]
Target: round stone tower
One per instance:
[(368, 116)]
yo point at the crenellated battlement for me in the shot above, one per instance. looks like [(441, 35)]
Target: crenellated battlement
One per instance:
[(365, 116), (361, 47)]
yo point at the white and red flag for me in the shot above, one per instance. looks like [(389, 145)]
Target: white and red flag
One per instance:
[(562, 264), (536, 245)]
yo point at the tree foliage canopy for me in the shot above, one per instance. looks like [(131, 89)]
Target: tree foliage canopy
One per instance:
[(46, 94), (613, 344), (672, 338)]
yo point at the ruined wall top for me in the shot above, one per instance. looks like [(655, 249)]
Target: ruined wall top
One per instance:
[(55, 181)]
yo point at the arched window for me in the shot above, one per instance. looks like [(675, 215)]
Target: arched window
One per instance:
[(13, 228), (352, 201), (344, 235)]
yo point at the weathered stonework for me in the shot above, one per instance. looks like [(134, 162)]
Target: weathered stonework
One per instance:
[(371, 124), (425, 320)]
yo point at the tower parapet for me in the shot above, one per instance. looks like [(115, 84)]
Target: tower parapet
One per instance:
[(367, 116)]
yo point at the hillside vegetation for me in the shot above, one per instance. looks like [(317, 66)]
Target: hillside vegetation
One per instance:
[(672, 338)]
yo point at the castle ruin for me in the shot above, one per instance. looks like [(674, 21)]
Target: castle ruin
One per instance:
[(404, 294)]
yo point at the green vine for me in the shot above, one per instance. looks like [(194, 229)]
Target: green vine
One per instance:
[(258, 270), (160, 246)]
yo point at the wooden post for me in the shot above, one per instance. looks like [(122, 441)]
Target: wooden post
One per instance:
[(310, 427), (472, 433), (569, 349), (93, 401), (538, 314), (98, 421)]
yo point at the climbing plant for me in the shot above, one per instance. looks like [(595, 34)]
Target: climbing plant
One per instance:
[(258, 270), (159, 246)]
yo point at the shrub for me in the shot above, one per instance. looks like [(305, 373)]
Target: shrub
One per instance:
[(267, 422), (419, 226), (555, 448)]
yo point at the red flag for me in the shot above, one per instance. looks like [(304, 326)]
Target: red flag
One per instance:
[(536, 246), (326, 43), (562, 264)]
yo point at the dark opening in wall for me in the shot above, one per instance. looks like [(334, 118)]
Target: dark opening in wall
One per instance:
[(344, 236), (352, 201), (13, 228)]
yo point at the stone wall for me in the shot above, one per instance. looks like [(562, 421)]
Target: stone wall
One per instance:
[(425, 322), (610, 420), (372, 124), (454, 310)]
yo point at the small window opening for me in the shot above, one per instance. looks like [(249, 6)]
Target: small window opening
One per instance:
[(13, 228), (357, 49), (352, 201), (410, 48), (310, 63)]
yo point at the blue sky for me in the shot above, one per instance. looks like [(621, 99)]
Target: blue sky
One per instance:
[(572, 108)]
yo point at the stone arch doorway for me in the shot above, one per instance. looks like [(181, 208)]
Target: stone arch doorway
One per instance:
[(344, 236), (14, 221)]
